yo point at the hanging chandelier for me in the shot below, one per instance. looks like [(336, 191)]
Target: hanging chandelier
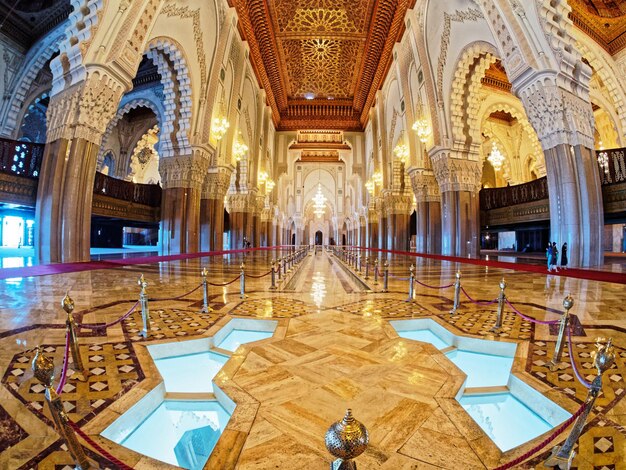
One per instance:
[(377, 177), (219, 124), (401, 150), (239, 148), (495, 157), (269, 185), (370, 186), (422, 128), (603, 161), (319, 202)]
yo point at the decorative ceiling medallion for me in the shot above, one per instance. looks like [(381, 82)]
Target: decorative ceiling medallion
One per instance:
[(333, 54)]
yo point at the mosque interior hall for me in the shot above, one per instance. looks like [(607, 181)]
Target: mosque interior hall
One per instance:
[(276, 234)]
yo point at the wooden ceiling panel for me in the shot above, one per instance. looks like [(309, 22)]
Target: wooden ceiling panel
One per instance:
[(333, 54), (603, 20)]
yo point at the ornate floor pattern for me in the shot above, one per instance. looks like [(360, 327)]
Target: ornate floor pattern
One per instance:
[(337, 352)]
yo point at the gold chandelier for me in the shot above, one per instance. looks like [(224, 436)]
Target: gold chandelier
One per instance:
[(495, 157), (377, 177), (220, 125), (401, 150), (370, 186), (319, 202), (422, 128), (239, 148)]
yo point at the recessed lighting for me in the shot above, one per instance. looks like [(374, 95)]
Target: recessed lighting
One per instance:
[(309, 96)]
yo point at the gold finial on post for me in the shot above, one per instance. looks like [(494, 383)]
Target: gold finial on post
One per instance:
[(145, 311), (568, 303), (346, 440), (43, 370), (457, 292), (81, 372)]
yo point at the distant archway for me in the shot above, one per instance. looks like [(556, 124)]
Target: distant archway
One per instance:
[(319, 237)]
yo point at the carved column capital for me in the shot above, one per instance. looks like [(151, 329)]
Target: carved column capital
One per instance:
[(558, 115), (456, 174), (425, 186), (83, 110), (185, 171), (216, 182), (394, 204)]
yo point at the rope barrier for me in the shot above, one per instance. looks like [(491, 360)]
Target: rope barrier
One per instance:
[(571, 360), (118, 463), (545, 442), (258, 277), (176, 298), (477, 302), (91, 326), (434, 287), (223, 284), (530, 319), (66, 363)]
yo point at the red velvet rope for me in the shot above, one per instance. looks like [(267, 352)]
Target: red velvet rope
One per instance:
[(544, 443), (66, 362), (106, 325), (118, 463), (571, 359), (178, 297), (224, 284), (530, 319), (434, 287), (477, 302), (258, 277)]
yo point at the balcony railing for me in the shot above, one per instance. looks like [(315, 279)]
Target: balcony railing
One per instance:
[(20, 158), (612, 165), (511, 195), (146, 194)]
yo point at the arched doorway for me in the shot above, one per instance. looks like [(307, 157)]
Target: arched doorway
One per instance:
[(293, 238), (319, 237)]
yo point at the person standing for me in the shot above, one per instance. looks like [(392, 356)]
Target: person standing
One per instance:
[(555, 256), (549, 256), (564, 259)]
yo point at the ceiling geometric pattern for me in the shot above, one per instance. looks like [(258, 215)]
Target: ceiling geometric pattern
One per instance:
[(321, 61), (604, 21)]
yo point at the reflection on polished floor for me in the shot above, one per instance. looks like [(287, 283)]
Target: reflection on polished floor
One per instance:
[(334, 348)]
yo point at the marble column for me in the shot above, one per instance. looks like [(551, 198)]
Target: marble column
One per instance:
[(212, 208), (460, 223), (362, 232), (240, 220), (182, 177), (576, 210), (398, 209), (76, 122), (559, 109), (459, 178), (64, 201), (428, 211), (180, 221)]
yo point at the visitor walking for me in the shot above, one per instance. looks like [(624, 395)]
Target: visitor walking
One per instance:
[(555, 256), (564, 256), (549, 256)]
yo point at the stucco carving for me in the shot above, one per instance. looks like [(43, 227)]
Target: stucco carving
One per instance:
[(456, 174), (185, 171), (84, 109), (425, 186), (557, 115), (216, 183)]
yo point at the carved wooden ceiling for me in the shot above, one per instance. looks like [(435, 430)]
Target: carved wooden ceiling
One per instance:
[(321, 61), (603, 20), (26, 21)]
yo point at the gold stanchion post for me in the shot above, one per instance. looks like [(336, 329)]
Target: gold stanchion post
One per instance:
[(501, 300), (273, 276), (145, 311), (242, 281), (43, 369), (562, 456), (386, 276), (568, 303), (457, 293), (206, 308), (81, 373), (411, 281)]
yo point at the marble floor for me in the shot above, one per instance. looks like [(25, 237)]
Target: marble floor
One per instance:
[(333, 349)]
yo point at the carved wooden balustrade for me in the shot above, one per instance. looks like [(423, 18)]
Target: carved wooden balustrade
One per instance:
[(20, 163), (528, 202)]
